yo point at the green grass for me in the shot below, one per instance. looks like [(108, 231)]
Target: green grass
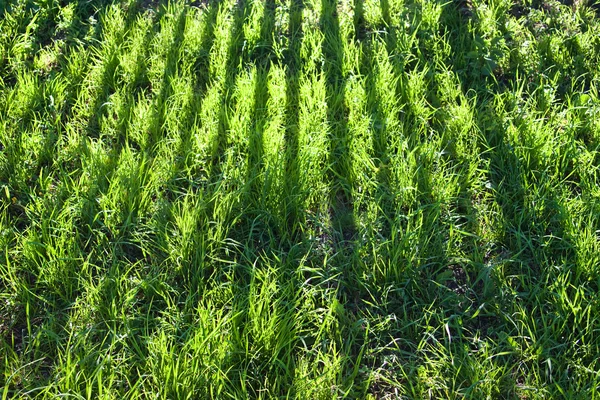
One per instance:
[(307, 199)]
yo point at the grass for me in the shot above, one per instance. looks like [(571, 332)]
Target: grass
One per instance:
[(299, 199)]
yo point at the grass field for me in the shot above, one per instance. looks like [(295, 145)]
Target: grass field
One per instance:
[(308, 199)]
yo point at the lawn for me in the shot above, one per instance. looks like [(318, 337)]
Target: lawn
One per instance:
[(304, 199)]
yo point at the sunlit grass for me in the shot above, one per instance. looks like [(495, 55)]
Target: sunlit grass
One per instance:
[(299, 199)]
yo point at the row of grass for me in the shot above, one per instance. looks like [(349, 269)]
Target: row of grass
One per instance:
[(299, 199)]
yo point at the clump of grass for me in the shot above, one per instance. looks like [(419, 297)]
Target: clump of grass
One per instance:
[(299, 199)]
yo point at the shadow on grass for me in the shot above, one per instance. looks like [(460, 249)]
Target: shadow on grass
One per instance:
[(292, 203), (339, 161)]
